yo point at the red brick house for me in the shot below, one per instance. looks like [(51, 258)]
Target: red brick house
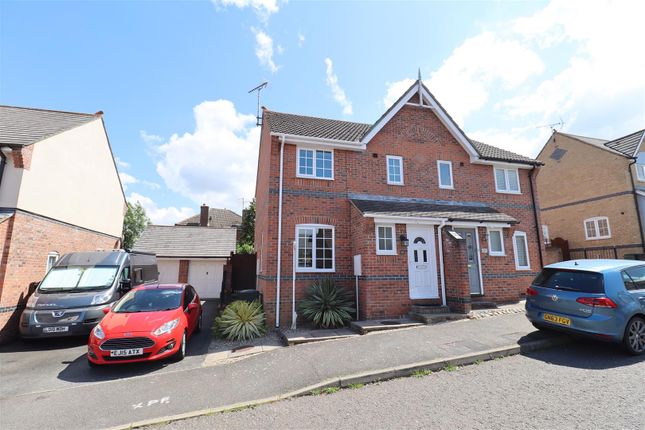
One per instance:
[(59, 192), (437, 218)]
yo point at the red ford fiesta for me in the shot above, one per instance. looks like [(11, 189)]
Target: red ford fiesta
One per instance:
[(148, 323)]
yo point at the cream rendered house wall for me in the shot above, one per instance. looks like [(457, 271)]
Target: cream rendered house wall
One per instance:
[(72, 178)]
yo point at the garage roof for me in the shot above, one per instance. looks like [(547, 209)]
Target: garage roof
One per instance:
[(187, 241)]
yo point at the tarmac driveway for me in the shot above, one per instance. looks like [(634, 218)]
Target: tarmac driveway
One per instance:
[(47, 364)]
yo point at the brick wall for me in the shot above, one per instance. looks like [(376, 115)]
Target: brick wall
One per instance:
[(27, 241), (22, 157), (418, 136)]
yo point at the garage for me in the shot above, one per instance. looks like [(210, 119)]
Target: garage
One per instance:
[(206, 277)]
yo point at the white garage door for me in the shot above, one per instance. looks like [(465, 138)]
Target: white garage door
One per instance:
[(206, 277), (168, 271)]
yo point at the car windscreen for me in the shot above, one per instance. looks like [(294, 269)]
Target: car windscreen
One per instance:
[(149, 300), (571, 280), (78, 278)]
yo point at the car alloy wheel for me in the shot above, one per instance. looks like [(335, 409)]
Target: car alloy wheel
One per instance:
[(635, 336)]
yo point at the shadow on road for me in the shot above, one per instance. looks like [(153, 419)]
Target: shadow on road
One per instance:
[(48, 344), (79, 371), (584, 353)]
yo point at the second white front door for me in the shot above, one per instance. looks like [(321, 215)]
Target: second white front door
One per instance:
[(422, 265)]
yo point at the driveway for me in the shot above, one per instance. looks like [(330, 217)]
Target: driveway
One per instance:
[(49, 364)]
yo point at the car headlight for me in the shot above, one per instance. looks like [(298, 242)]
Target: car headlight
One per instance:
[(98, 332), (166, 328), (31, 303), (99, 299)]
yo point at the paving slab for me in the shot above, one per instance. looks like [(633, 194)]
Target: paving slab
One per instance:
[(369, 326)]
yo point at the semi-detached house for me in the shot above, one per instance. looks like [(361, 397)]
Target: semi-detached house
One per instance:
[(437, 218)]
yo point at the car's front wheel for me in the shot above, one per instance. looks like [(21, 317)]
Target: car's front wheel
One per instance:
[(181, 352), (634, 339)]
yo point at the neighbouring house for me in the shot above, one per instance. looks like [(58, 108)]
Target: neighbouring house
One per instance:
[(194, 250), (592, 194), (437, 218), (59, 192)]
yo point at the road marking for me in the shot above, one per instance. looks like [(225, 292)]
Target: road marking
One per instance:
[(161, 401)]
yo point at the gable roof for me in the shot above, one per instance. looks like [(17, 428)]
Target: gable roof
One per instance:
[(20, 126), (184, 241), (217, 218), (629, 144), (323, 128)]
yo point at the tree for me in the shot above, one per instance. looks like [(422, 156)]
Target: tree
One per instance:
[(246, 242), (134, 223)]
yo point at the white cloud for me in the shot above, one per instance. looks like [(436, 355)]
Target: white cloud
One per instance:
[(127, 180), (527, 140), (464, 81), (120, 163), (149, 138), (263, 8), (301, 40), (336, 90), (264, 50), (216, 163), (151, 185), (169, 215)]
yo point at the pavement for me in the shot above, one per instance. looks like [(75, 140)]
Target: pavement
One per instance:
[(121, 395), (583, 385)]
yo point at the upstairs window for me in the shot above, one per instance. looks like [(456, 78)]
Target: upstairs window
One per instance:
[(507, 181), (385, 243), (445, 174), (597, 228), (640, 172), (315, 163), (315, 248), (394, 170)]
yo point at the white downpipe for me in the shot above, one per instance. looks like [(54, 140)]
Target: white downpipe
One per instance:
[(443, 279), (277, 285), (294, 314)]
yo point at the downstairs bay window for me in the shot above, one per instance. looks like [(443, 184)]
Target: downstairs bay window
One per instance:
[(315, 248)]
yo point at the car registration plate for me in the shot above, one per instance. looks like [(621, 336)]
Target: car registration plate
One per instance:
[(56, 329), (556, 319), (126, 352)]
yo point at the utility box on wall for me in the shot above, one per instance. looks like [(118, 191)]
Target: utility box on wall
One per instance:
[(358, 269)]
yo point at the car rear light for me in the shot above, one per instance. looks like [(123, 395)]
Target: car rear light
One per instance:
[(598, 302), (530, 291)]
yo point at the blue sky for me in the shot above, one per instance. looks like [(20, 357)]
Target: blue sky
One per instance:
[(172, 77)]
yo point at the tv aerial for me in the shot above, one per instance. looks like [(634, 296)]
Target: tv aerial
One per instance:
[(553, 125), (257, 89)]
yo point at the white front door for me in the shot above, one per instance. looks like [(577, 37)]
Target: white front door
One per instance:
[(422, 265)]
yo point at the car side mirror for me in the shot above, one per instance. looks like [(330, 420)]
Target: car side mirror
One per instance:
[(125, 285), (192, 306), (106, 310), (33, 287)]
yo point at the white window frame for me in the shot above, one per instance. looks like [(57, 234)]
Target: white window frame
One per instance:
[(385, 251), (387, 169), (545, 234), (596, 228), (640, 172), (313, 175), (56, 256), (492, 253), (313, 268), (526, 244), (452, 179), (506, 181)]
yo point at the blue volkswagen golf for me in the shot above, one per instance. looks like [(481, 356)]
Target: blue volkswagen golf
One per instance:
[(604, 299)]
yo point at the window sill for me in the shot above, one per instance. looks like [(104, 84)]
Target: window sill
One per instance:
[(522, 269), (446, 188), (508, 192), (315, 270), (386, 253), (598, 238), (496, 254), (400, 184), (314, 177)]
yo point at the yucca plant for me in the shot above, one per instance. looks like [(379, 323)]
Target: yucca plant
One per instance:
[(241, 320), (327, 305)]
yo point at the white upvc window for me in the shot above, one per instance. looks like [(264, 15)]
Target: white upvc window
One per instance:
[(507, 180), (394, 169), (315, 248), (640, 172), (545, 234), (315, 163), (444, 169), (52, 258), (385, 240), (597, 228), (496, 242), (521, 250)]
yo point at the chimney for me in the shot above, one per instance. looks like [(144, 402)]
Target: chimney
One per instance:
[(203, 216)]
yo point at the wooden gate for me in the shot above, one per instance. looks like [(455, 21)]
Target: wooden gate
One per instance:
[(243, 271)]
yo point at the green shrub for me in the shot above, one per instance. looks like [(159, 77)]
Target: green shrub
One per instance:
[(241, 321), (327, 305)]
